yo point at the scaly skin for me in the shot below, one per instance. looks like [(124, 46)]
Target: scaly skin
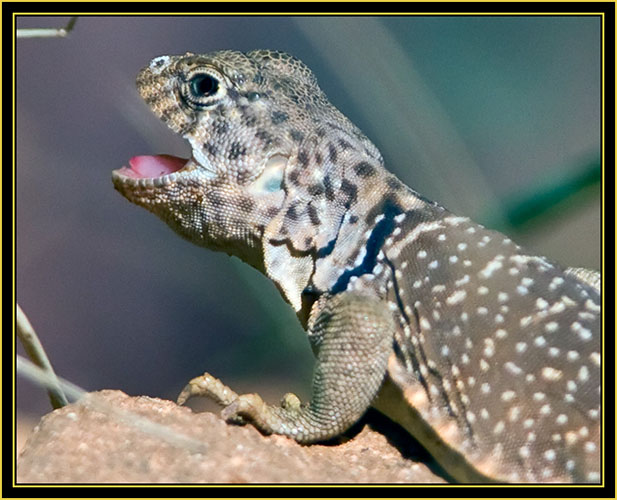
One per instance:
[(490, 356)]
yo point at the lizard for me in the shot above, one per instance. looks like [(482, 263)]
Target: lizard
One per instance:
[(488, 355)]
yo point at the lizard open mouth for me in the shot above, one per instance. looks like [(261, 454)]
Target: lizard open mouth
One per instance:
[(151, 167)]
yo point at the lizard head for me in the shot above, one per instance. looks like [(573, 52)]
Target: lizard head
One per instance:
[(264, 180)]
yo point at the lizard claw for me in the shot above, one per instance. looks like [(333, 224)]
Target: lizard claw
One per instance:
[(208, 386)]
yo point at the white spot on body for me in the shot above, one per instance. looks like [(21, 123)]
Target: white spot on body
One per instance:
[(489, 349), (561, 419), (568, 302), (583, 374), (525, 321), (592, 306), (424, 324), (400, 217), (512, 368), (553, 352), (555, 283), (540, 341), (456, 297), (595, 358), (455, 220), (514, 414), (593, 477), (583, 333), (557, 307), (539, 396), (462, 281), (501, 333), (491, 267), (508, 396), (526, 281), (551, 327), (551, 374)]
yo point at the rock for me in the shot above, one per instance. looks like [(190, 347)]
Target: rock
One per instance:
[(109, 437)]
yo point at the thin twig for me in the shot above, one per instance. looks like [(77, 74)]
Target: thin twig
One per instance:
[(29, 370), (47, 32), (34, 348)]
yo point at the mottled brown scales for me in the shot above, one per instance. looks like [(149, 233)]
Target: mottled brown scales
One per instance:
[(488, 355)]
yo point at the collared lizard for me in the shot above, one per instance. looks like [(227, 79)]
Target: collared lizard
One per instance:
[(488, 355)]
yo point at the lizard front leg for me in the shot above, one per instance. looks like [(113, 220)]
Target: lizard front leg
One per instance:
[(352, 335)]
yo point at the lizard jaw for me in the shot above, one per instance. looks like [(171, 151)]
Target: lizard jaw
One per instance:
[(155, 170)]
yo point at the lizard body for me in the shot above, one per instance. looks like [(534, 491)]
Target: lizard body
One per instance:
[(490, 356)]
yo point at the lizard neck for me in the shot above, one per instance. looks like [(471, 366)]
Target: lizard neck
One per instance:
[(365, 231), (339, 210)]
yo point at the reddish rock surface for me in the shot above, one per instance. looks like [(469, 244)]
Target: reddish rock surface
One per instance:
[(109, 437)]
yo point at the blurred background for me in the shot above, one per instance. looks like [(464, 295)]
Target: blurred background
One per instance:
[(497, 118)]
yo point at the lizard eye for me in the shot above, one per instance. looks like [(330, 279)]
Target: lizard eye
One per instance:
[(203, 85), (202, 89)]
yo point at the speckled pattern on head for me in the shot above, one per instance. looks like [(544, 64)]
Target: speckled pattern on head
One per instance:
[(490, 356)]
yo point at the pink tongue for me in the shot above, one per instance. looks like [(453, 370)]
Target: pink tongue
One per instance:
[(153, 166)]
